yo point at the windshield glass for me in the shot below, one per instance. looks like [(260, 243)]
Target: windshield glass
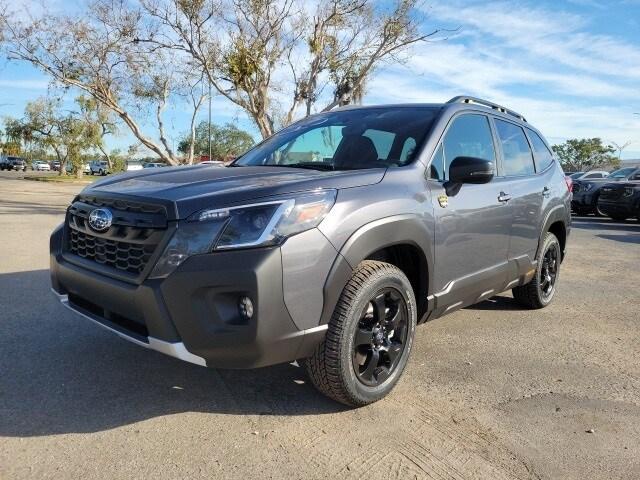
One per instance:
[(623, 172), (347, 140)]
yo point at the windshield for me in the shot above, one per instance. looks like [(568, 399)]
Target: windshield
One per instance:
[(622, 173), (347, 140)]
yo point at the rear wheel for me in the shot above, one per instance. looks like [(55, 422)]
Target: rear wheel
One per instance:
[(541, 289), (369, 338)]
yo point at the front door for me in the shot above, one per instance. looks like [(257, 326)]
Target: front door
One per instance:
[(472, 225)]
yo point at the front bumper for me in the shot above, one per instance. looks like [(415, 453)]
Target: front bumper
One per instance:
[(193, 314), (624, 206)]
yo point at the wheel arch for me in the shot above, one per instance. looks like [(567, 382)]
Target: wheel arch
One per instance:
[(557, 223), (402, 240)]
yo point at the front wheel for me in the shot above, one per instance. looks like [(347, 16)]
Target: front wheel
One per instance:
[(541, 289), (369, 337)]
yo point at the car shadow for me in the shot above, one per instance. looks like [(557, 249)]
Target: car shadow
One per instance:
[(629, 238), (601, 223), (62, 374)]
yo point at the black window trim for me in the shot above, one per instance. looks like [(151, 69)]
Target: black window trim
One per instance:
[(533, 157)]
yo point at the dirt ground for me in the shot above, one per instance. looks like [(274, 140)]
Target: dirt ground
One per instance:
[(492, 391)]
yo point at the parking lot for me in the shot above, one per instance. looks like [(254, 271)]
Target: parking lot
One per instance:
[(492, 391)]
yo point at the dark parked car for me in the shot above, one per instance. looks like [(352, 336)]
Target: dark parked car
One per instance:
[(13, 163), (620, 200), (328, 242), (587, 192)]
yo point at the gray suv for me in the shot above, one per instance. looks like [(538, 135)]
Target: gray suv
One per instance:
[(326, 243)]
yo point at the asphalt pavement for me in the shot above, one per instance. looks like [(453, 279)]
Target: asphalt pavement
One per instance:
[(492, 391)]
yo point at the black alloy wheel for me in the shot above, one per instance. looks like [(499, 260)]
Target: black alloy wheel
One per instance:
[(549, 270), (380, 337)]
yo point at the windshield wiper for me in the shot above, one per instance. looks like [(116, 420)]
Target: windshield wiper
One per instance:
[(325, 167)]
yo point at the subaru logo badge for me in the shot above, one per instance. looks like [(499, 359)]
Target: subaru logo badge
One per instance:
[(100, 219)]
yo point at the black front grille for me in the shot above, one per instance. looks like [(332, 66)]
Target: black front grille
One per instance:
[(128, 245), (130, 257), (611, 193)]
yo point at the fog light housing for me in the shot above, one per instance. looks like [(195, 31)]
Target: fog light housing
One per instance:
[(245, 306)]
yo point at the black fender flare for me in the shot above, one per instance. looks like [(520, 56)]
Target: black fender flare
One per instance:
[(386, 232), (555, 214)]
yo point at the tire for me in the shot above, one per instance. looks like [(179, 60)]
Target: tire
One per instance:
[(537, 294), (596, 209), (351, 372)]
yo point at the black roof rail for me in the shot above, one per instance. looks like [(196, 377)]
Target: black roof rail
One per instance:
[(486, 103)]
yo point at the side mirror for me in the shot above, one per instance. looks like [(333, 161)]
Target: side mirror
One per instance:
[(470, 170)]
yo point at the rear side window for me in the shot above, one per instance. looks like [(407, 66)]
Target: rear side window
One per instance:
[(382, 141), (468, 136), (518, 159), (541, 151)]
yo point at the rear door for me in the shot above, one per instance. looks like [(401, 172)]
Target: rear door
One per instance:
[(472, 225), (526, 191)]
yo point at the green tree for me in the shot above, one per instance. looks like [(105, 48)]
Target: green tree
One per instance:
[(69, 134), (226, 141), (585, 154)]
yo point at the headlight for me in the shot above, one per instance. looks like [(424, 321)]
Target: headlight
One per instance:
[(587, 186), (628, 191), (245, 226)]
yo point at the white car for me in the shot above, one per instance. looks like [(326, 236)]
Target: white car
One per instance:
[(40, 166), (593, 174), (133, 165), (99, 167), (154, 165), (212, 162)]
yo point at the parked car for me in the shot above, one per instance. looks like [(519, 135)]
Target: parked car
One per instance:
[(55, 165), (133, 165), (40, 166), (574, 175), (324, 252), (587, 192), (154, 165), (593, 174), (13, 163), (99, 167), (620, 200)]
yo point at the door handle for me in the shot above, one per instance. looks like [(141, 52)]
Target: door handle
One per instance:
[(504, 197), (546, 191)]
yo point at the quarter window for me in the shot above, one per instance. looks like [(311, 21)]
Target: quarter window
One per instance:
[(541, 151), (518, 159), (468, 136)]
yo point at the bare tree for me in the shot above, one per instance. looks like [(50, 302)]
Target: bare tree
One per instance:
[(620, 147), (97, 53), (245, 48)]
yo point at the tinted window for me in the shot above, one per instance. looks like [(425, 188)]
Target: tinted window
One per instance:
[(623, 172), (345, 140), (542, 153), (593, 175), (468, 136), (518, 159)]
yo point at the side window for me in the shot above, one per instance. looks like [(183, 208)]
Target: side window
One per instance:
[(383, 141), (518, 159), (468, 136), (408, 149), (542, 153)]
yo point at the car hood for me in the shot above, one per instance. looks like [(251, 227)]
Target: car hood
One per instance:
[(185, 190)]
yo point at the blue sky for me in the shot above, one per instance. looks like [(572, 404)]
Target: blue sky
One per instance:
[(572, 68)]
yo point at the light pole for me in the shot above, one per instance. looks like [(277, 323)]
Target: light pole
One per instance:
[(209, 119)]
